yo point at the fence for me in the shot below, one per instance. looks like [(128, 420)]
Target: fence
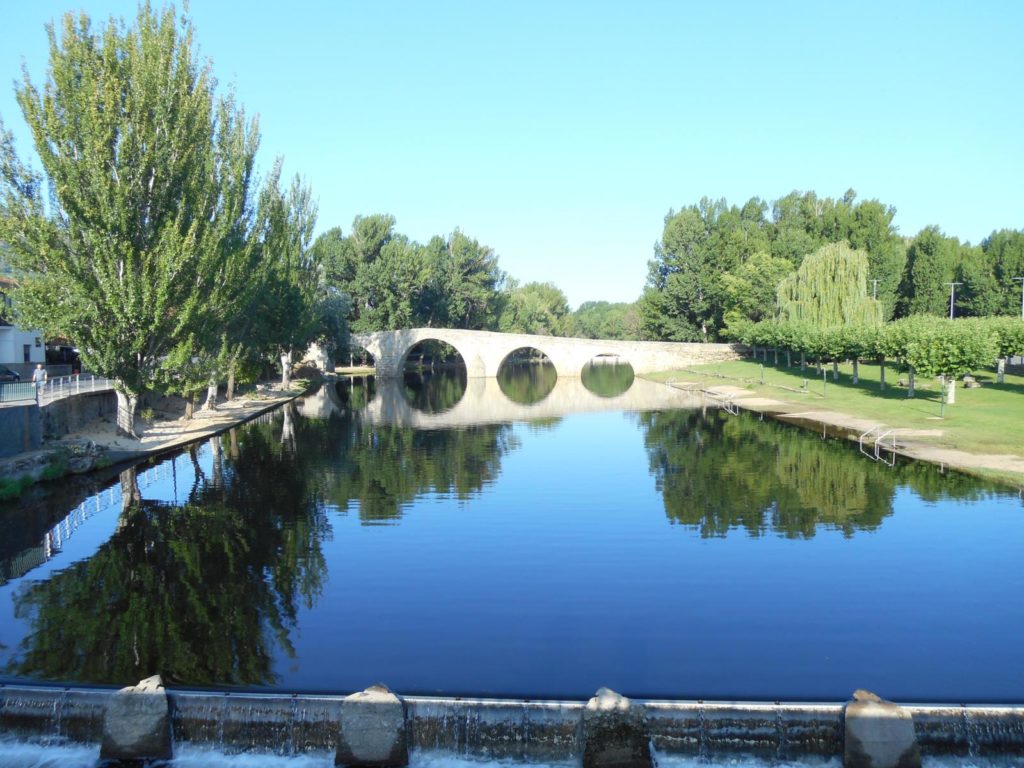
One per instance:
[(53, 389)]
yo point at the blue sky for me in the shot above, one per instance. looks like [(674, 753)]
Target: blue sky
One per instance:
[(561, 133)]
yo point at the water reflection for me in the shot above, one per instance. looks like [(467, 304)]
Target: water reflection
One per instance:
[(204, 592), (244, 559), (527, 382), (607, 377), (434, 391), (718, 473)]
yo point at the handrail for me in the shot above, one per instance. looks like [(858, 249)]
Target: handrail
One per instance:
[(54, 389)]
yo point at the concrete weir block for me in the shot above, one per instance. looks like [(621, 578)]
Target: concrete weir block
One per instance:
[(372, 729), (615, 733), (137, 724), (879, 734)]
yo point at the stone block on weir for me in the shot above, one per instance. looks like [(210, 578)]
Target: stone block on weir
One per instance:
[(372, 729), (137, 723), (879, 734), (615, 733)]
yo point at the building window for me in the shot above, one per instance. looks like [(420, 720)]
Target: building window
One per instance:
[(28, 352)]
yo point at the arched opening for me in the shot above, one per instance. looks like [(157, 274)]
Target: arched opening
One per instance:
[(356, 359), (607, 375), (526, 376), (434, 376)]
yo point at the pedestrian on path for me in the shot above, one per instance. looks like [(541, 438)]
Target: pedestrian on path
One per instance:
[(39, 379)]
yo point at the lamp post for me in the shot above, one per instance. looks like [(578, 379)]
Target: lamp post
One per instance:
[(1021, 296), (952, 292)]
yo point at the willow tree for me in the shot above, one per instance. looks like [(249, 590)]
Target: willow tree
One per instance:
[(830, 288), (147, 172)]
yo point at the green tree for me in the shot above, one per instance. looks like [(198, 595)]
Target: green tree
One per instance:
[(1005, 250), (931, 265), (148, 174), (751, 289), (606, 320), (538, 308), (829, 288), (951, 349)]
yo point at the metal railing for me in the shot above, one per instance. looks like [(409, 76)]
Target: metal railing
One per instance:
[(53, 389), (878, 445)]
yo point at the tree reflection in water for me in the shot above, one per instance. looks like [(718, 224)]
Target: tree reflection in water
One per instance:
[(204, 593), (607, 378), (718, 473), (527, 381)]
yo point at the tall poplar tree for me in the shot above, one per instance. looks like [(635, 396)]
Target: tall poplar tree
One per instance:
[(148, 174)]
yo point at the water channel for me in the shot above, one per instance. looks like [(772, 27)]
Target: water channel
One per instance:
[(530, 536)]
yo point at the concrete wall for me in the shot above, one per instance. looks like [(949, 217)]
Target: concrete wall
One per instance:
[(70, 413), (21, 428)]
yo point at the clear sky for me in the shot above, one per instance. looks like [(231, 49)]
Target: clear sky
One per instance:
[(561, 133)]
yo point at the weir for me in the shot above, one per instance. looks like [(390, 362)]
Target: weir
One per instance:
[(508, 729)]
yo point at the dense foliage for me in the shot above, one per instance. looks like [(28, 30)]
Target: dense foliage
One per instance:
[(143, 239), (718, 267)]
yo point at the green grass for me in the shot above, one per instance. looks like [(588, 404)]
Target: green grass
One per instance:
[(989, 419)]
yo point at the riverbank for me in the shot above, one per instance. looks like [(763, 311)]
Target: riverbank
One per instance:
[(981, 434), (162, 427)]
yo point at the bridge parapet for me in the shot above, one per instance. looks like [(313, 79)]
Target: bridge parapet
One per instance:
[(484, 351)]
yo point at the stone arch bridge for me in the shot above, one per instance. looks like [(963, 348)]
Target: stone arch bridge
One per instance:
[(484, 351)]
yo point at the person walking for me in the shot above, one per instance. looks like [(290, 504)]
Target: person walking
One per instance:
[(39, 379)]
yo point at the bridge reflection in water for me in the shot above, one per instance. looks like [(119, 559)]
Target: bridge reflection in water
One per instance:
[(484, 402)]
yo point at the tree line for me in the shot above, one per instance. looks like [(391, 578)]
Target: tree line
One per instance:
[(719, 267)]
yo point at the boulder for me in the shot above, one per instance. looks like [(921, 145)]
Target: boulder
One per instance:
[(137, 723), (615, 733), (879, 734), (372, 729)]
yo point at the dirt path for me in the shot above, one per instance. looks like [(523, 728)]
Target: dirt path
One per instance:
[(913, 443)]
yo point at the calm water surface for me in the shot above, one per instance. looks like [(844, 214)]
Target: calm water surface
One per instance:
[(429, 536)]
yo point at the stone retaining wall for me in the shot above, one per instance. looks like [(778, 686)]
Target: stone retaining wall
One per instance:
[(70, 413)]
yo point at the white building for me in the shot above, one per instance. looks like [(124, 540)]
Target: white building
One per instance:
[(19, 349)]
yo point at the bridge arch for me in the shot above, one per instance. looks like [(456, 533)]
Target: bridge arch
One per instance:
[(483, 351)]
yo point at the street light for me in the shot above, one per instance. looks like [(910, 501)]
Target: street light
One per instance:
[(1021, 296), (952, 291)]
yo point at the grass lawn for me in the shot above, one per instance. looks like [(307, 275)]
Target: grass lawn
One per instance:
[(989, 419)]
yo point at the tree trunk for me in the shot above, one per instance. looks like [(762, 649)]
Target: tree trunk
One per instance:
[(835, 370), (218, 462), (856, 371), (789, 358), (288, 428), (286, 369), (803, 362), (190, 407), (951, 391), (910, 381), (130, 493), (1001, 371), (211, 396), (229, 394), (127, 402), (776, 356)]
